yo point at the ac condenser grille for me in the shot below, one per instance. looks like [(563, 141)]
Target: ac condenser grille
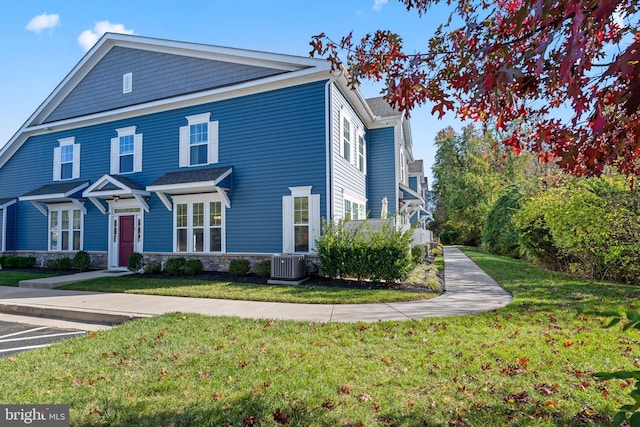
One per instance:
[(288, 266)]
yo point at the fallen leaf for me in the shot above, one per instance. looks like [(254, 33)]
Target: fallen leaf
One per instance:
[(522, 397), (281, 418), (344, 389), (364, 397), (163, 374)]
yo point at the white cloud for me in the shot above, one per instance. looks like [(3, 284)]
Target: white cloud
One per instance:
[(43, 22), (89, 37), (377, 4)]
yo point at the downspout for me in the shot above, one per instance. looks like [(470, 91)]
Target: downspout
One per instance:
[(328, 105)]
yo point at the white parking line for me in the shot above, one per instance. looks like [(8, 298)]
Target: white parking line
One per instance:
[(24, 348), (35, 337), (22, 332)]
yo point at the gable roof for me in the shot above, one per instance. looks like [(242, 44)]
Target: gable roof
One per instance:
[(166, 74), (416, 166), (381, 108)]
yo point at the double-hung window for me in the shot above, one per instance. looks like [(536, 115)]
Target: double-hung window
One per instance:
[(301, 223), (126, 151), (301, 220), (361, 154), (346, 138), (65, 229), (66, 160), (199, 224), (351, 210), (354, 207), (199, 141)]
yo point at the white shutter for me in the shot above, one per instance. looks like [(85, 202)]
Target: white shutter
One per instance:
[(212, 149), (314, 219), (137, 153), (56, 163), (184, 147), (115, 156), (287, 224), (76, 161)]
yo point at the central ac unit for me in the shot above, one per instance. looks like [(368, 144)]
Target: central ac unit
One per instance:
[(288, 266)]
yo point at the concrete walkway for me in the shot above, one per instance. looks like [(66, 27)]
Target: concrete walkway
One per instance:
[(468, 290)]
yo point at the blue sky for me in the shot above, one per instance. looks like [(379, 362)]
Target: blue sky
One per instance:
[(41, 41)]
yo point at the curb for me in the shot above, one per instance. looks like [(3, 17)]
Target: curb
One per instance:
[(68, 314)]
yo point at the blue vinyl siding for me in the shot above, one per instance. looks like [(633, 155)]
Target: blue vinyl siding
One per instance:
[(156, 75), (381, 179), (273, 141), (413, 183)]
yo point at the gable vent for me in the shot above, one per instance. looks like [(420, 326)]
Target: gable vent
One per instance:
[(127, 82)]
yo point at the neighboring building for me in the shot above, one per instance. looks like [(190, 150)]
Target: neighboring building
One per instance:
[(179, 149)]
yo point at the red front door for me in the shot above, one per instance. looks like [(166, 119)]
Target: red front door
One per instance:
[(127, 235)]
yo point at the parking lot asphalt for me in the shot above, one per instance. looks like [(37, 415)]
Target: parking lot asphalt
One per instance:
[(16, 336)]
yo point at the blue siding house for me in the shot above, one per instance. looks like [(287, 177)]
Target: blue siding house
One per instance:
[(179, 149)]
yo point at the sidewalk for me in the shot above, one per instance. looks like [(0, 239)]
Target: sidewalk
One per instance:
[(468, 290)]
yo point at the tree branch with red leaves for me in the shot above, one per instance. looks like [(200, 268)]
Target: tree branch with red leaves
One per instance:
[(533, 68)]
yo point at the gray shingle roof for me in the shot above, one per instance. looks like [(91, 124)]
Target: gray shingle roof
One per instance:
[(196, 175), (381, 108), (62, 188), (128, 182), (5, 201), (416, 167)]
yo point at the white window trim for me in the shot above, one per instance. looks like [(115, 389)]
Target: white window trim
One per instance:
[(190, 199), (344, 116), (288, 234), (359, 135), (361, 202), (57, 159), (212, 143), (137, 150), (356, 131), (59, 207)]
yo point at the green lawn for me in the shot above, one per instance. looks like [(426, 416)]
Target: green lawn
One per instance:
[(528, 364), (244, 291), (13, 278)]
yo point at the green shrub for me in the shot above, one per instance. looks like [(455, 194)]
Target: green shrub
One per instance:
[(239, 267), (63, 264), (499, 233), (11, 262), (81, 261), (174, 266), (52, 264), (26, 261), (152, 267), (418, 253), (135, 261), (3, 261), (192, 267), (262, 268), (588, 227), (364, 253)]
